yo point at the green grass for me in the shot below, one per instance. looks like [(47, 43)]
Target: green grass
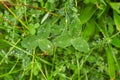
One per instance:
[(60, 40)]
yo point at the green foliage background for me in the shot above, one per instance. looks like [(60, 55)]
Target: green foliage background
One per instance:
[(60, 40)]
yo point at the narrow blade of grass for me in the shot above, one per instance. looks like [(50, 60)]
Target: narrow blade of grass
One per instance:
[(111, 64)]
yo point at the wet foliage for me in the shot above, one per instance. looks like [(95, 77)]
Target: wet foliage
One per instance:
[(59, 40)]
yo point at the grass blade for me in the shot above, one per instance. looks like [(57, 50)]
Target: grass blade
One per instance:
[(111, 64)]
